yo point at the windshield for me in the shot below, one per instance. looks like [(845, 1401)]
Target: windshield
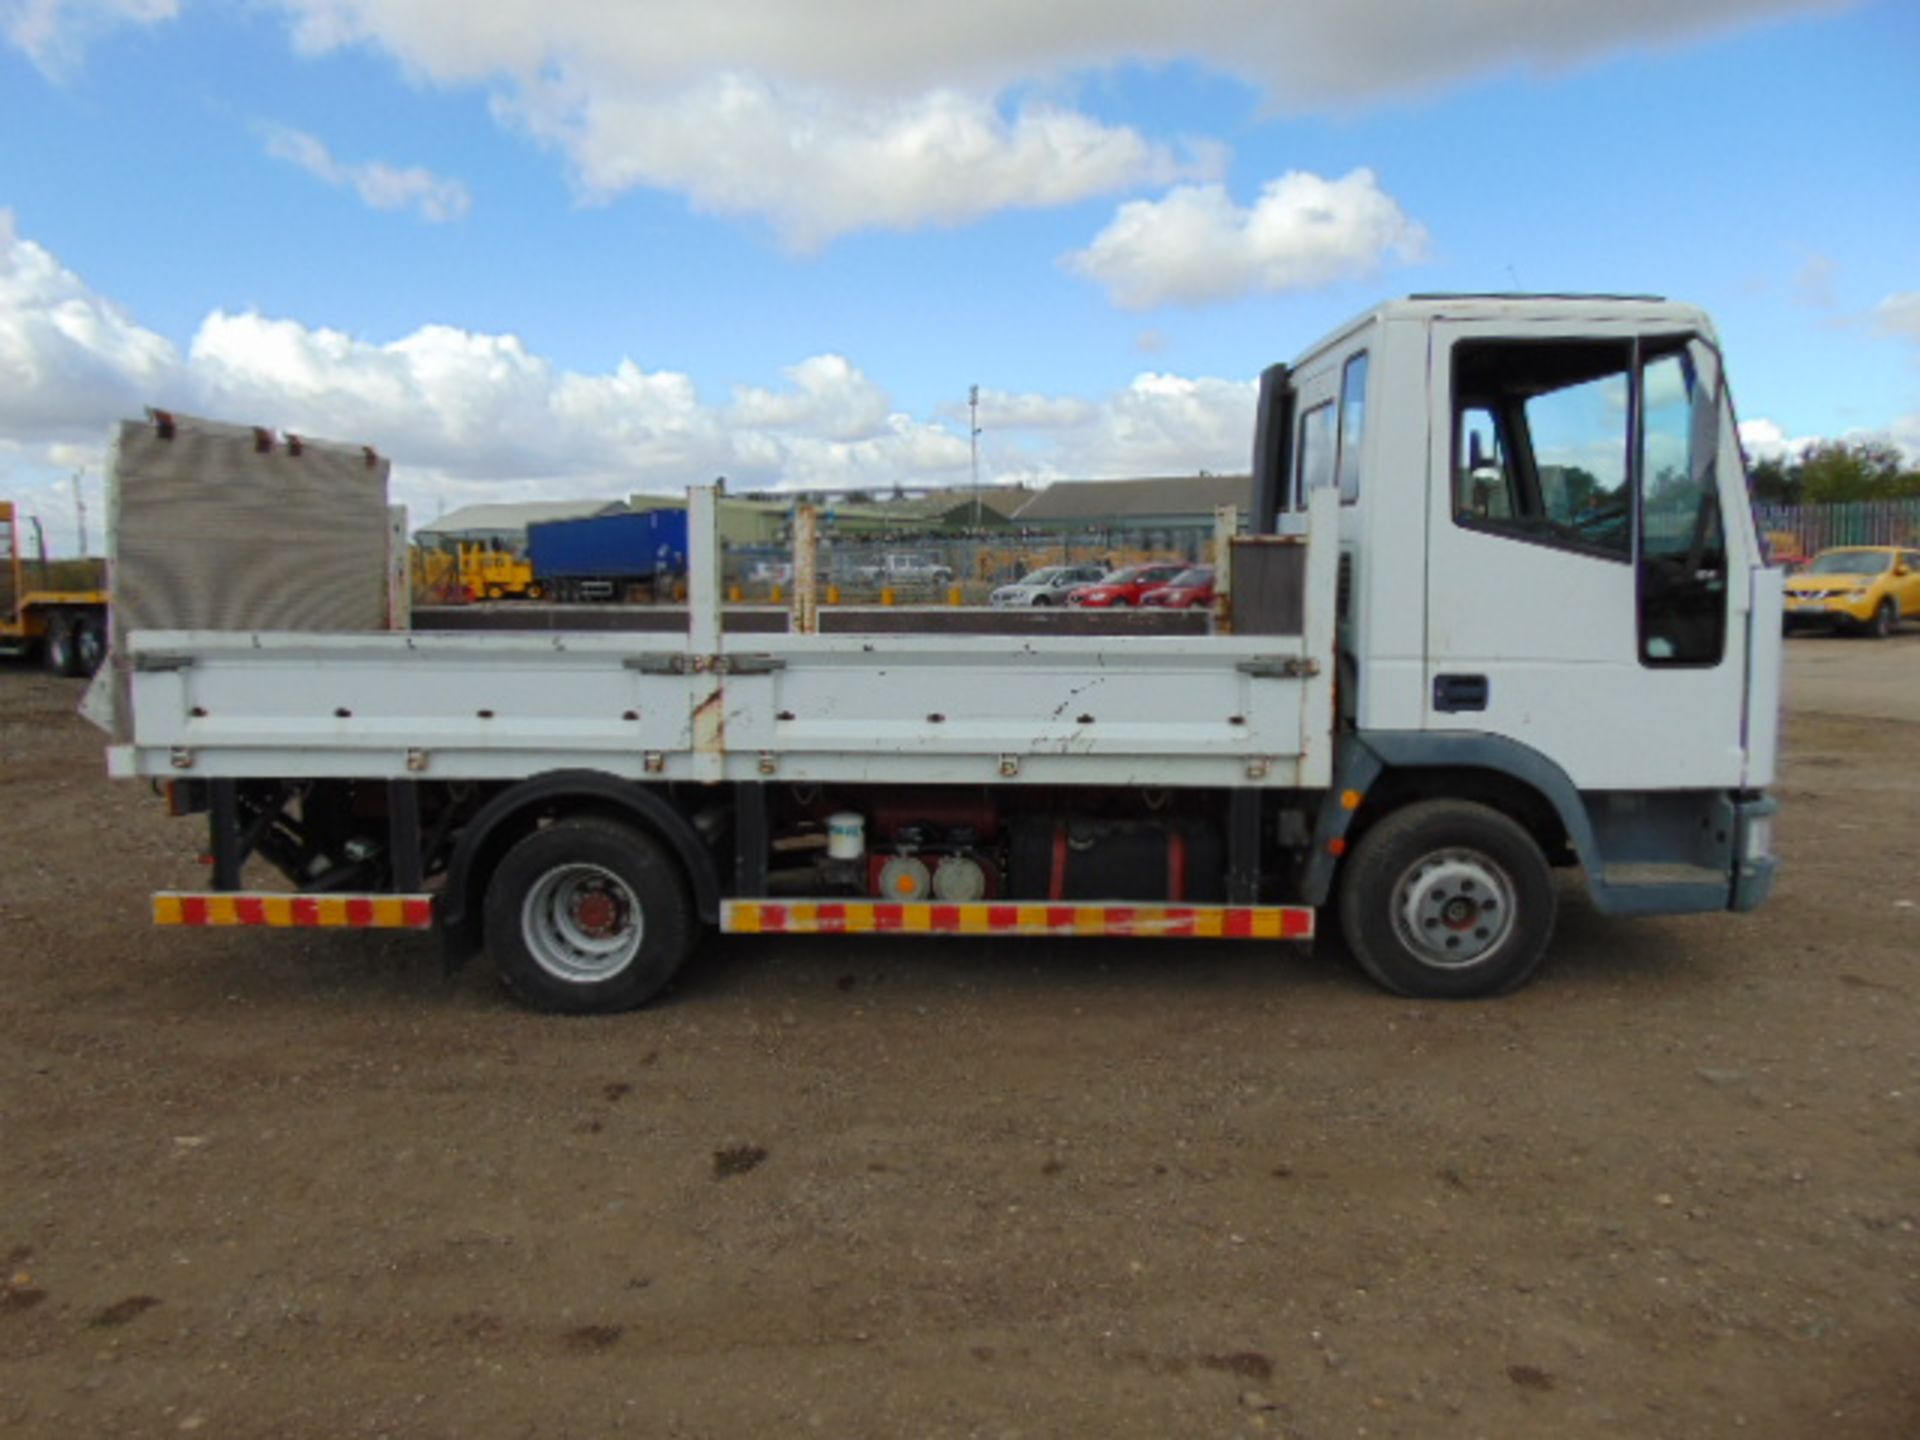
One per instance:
[(1198, 576), (1850, 562), (1121, 577), (1044, 575)]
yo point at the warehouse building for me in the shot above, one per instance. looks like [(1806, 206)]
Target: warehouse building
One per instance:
[(504, 526)]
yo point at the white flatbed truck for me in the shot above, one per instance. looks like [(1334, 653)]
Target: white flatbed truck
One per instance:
[(1502, 609)]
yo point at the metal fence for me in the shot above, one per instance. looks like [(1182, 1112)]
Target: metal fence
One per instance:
[(923, 569), (1813, 528)]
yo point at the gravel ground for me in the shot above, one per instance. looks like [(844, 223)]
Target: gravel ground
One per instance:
[(259, 1184)]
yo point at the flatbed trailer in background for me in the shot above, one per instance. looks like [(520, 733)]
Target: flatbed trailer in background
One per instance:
[(67, 627), (1502, 608)]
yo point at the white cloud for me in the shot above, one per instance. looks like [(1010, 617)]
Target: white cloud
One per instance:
[(1899, 314), (1000, 410), (838, 115), (1160, 424), (469, 416), (850, 114), (1196, 245), (1300, 53), (55, 33), (1765, 439), (817, 165), (378, 184), (826, 395), (70, 356)]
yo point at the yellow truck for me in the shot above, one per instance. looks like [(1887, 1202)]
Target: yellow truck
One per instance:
[(494, 574), (67, 627)]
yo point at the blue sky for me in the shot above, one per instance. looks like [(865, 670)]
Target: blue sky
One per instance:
[(565, 248)]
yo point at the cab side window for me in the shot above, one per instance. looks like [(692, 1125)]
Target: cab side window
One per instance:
[(1353, 425), (1607, 449), (1315, 460), (1540, 447)]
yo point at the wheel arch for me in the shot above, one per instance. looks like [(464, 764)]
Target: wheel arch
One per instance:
[(517, 811), (1388, 770)]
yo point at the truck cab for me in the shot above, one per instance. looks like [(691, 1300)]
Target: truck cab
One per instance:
[(1551, 585)]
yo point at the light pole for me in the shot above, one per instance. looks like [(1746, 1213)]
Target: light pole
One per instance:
[(80, 508), (973, 447)]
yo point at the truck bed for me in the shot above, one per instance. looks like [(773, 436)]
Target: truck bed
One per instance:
[(1165, 711)]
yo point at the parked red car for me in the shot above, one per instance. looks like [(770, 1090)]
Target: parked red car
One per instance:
[(1121, 588), (1187, 590)]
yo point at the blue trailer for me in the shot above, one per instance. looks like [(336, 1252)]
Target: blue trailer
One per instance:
[(605, 556)]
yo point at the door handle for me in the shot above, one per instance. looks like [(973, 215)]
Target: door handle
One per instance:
[(1454, 693)]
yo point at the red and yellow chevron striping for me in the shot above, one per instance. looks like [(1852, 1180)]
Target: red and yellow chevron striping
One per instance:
[(875, 917), (360, 912)]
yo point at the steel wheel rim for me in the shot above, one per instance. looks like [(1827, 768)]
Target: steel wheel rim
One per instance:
[(1454, 908), (582, 923)]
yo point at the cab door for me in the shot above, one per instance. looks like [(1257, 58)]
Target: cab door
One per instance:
[(1586, 596)]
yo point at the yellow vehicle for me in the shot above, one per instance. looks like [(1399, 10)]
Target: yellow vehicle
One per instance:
[(493, 574), (1856, 587), (68, 626)]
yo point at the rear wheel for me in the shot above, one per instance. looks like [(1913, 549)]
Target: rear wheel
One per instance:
[(89, 644), (1447, 900), (588, 916), (62, 655)]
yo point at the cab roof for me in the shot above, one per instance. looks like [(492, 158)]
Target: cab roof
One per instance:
[(1654, 312)]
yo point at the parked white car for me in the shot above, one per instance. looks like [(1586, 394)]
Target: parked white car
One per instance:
[(1046, 586), (905, 570)]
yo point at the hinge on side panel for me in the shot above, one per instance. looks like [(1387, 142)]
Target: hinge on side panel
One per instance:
[(748, 664), (1291, 668), (704, 664), (159, 662), (656, 664)]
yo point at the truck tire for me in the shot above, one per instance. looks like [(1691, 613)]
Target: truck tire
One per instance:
[(60, 650), (588, 916), (1447, 900), (89, 643)]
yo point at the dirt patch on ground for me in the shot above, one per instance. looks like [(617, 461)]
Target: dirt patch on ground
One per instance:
[(309, 1185)]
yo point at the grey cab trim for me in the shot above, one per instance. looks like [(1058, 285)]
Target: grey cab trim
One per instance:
[(1612, 832)]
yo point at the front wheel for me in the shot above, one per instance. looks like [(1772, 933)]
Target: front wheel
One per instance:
[(588, 916), (1884, 621), (1447, 900)]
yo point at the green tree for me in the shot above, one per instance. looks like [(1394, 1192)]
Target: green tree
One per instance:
[(1833, 471), (1775, 482)]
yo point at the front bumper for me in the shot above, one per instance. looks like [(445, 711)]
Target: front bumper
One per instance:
[(1755, 866), (1826, 609)]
